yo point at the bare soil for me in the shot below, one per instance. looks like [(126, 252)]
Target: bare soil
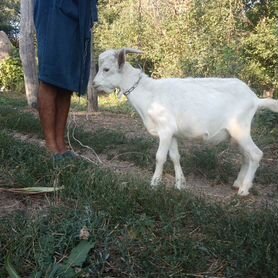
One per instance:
[(265, 195), (198, 185)]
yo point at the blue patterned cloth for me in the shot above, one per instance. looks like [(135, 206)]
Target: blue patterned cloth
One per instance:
[(64, 41)]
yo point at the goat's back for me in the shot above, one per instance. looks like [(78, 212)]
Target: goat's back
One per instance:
[(203, 106), (204, 94)]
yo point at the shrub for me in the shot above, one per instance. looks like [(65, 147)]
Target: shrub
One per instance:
[(260, 49), (11, 73)]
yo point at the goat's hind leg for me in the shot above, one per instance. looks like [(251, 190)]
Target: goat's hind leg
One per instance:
[(175, 157), (242, 172), (252, 156), (161, 156)]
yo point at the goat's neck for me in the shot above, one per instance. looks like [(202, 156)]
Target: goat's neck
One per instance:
[(140, 98), (130, 77)]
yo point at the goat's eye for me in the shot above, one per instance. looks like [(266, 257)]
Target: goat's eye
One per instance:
[(106, 69)]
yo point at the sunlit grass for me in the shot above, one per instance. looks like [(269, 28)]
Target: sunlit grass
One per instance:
[(79, 103), (109, 102)]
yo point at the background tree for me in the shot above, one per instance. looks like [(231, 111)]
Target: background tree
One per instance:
[(28, 52), (92, 93)]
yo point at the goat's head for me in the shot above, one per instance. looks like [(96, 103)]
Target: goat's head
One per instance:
[(110, 73)]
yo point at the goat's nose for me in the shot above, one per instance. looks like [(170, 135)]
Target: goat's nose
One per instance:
[(95, 85)]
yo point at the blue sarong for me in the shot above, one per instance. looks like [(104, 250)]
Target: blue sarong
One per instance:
[(64, 41)]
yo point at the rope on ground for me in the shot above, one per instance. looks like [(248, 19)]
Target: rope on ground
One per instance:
[(73, 120)]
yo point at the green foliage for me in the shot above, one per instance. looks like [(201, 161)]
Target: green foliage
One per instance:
[(11, 73), (76, 259), (267, 120), (196, 38), (114, 104), (111, 103), (261, 55), (9, 18), (257, 10), (10, 269), (181, 38), (214, 31)]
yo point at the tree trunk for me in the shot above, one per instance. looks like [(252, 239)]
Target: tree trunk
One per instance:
[(28, 52), (92, 94)]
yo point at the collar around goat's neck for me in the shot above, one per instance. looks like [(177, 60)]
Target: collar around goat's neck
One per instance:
[(132, 88)]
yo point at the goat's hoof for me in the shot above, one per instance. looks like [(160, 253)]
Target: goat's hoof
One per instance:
[(243, 192), (236, 185), (155, 183), (180, 184)]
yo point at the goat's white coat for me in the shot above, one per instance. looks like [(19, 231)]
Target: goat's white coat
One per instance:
[(212, 109)]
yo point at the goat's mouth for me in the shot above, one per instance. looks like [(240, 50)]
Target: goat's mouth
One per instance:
[(103, 90), (97, 87), (101, 93), (99, 90)]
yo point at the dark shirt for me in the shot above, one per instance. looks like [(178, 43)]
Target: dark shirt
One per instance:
[(64, 41)]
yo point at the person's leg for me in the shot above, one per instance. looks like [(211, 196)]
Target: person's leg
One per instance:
[(47, 111), (63, 100)]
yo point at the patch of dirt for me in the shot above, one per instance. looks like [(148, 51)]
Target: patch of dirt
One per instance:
[(133, 128), (27, 204), (130, 126), (30, 205)]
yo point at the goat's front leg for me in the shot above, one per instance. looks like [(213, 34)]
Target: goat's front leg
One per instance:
[(161, 156), (175, 157)]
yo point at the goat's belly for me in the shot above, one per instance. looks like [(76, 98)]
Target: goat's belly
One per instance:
[(213, 138), (218, 137)]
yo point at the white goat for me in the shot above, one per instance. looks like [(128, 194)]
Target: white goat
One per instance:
[(212, 109)]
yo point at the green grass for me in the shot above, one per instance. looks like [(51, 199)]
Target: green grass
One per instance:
[(14, 119), (202, 160), (138, 232), (22, 164), (135, 231), (14, 100)]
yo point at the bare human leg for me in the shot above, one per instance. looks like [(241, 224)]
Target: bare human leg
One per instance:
[(54, 104), (47, 111)]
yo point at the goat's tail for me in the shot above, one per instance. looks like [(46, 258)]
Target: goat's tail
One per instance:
[(269, 103)]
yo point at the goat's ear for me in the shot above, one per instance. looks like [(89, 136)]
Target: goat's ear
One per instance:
[(121, 58)]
